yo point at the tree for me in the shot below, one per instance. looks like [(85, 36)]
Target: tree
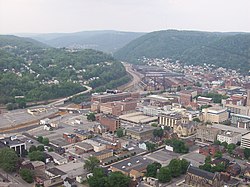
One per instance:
[(27, 175), (218, 168), (154, 124), (218, 154), (206, 167), (184, 165), (230, 148), (208, 159), (91, 163), (118, 179), (40, 139), (32, 148), (40, 148), (91, 117), (179, 146), (158, 132), (224, 144), (150, 146), (45, 141), (217, 142), (36, 156), (152, 169), (175, 167), (247, 153), (119, 132), (164, 175), (98, 179), (8, 159)]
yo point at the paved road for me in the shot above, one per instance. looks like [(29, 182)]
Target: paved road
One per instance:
[(135, 81), (69, 97)]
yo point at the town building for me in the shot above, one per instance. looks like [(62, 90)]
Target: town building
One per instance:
[(170, 120), (214, 114), (58, 159), (186, 96), (185, 129), (207, 133), (236, 109), (112, 108), (14, 143), (211, 150), (82, 147), (137, 118), (71, 138), (199, 177), (204, 100), (134, 167), (114, 97), (140, 132), (96, 145), (101, 155), (245, 141), (111, 122), (229, 137)]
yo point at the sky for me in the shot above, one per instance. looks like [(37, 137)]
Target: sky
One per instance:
[(63, 16)]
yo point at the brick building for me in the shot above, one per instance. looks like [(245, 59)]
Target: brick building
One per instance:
[(186, 96), (111, 122), (114, 97)]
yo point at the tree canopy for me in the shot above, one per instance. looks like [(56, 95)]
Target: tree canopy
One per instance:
[(91, 163), (8, 159)]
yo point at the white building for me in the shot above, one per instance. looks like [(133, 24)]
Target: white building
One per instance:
[(245, 141), (229, 137)]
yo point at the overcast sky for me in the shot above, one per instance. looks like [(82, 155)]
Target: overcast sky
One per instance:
[(43, 16)]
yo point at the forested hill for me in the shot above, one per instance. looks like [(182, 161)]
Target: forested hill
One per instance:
[(231, 50), (107, 41), (20, 42), (38, 72)]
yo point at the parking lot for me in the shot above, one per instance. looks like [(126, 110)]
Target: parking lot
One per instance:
[(15, 117)]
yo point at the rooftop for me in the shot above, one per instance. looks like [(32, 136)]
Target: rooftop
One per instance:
[(229, 133), (230, 128), (246, 136), (55, 171), (137, 117), (201, 173), (10, 141), (135, 163), (141, 128)]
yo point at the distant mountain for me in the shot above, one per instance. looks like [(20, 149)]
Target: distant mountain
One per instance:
[(20, 42), (107, 41), (231, 50)]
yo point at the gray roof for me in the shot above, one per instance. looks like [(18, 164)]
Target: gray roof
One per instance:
[(56, 171), (136, 163), (201, 173), (102, 152), (9, 142)]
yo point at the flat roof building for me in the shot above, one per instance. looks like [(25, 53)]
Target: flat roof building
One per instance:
[(229, 137), (245, 141), (215, 114), (137, 118), (140, 132), (14, 143)]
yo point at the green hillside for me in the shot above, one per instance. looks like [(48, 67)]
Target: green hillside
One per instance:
[(231, 50), (38, 72)]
